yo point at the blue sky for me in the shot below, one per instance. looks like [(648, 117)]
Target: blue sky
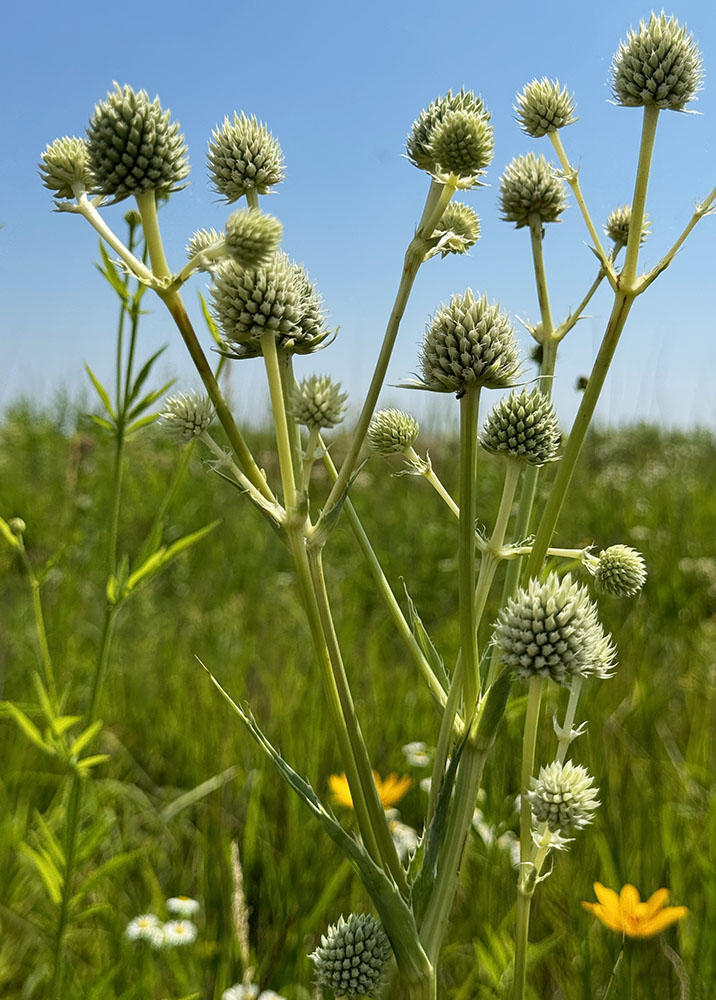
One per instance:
[(339, 85)]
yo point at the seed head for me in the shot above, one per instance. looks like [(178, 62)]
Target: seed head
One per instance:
[(133, 146), (392, 432), (318, 402), (544, 106), (620, 571), (461, 146), (252, 237), (657, 65), (469, 342), (523, 425), (419, 141), (244, 156), (530, 185), (551, 629), (352, 957), (186, 415), (617, 227), (563, 796), (66, 162), (457, 231)]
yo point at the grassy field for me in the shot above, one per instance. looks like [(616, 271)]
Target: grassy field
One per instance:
[(183, 780)]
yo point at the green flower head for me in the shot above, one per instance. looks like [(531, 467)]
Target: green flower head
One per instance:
[(318, 402), (544, 106), (252, 237), (660, 65), (64, 165), (244, 156), (524, 426), (617, 227), (352, 957), (392, 432), (419, 144), (620, 571), (531, 186), (563, 797), (457, 231)]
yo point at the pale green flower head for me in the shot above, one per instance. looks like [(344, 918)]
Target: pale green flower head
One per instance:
[(469, 343), (531, 186), (318, 402), (252, 237), (392, 432), (620, 571), (457, 231), (134, 147), (66, 162), (352, 957), (544, 106), (418, 146), (244, 156), (563, 797), (462, 146), (186, 416), (202, 240), (659, 65), (617, 227), (524, 426)]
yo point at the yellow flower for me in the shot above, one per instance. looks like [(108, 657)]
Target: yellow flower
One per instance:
[(390, 791), (626, 914)]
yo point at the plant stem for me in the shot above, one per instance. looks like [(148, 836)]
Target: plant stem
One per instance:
[(278, 406), (638, 205), (469, 405), (40, 628)]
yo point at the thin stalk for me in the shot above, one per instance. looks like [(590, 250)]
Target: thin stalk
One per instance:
[(445, 737), (566, 325), (705, 208), (40, 628), (86, 209), (565, 738), (288, 384), (469, 405), (536, 238), (638, 204), (425, 469), (278, 406)]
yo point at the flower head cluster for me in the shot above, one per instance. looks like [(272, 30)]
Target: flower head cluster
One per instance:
[(625, 913), (457, 231), (186, 415), (523, 425), (318, 402), (468, 343), (543, 106), (133, 146), (64, 164), (452, 138), (531, 186), (352, 957), (563, 796), (252, 237), (551, 629), (392, 432), (617, 227), (659, 65), (244, 156), (620, 571)]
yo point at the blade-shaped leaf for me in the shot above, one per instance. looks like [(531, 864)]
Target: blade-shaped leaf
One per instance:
[(425, 642), (114, 864), (159, 559), (47, 871), (196, 794), (29, 728), (101, 392), (150, 398), (144, 373), (85, 737)]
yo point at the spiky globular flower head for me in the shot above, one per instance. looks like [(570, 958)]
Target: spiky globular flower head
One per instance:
[(469, 342), (620, 571), (551, 629), (352, 957), (462, 146), (659, 65), (617, 227), (252, 237), (418, 145), (524, 426), (563, 796), (66, 162), (531, 186), (186, 415), (133, 146), (202, 240), (544, 106), (457, 231), (318, 402), (244, 156), (392, 432), (277, 297)]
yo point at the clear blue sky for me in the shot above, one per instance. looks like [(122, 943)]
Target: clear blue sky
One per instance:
[(339, 84)]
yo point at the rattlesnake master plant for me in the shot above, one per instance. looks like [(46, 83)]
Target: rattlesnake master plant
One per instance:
[(457, 231), (531, 186), (244, 158), (186, 415), (617, 227), (660, 65), (66, 162), (563, 796), (619, 571), (134, 147), (524, 426), (352, 957), (461, 146), (252, 237), (392, 432), (419, 143), (544, 106), (317, 402)]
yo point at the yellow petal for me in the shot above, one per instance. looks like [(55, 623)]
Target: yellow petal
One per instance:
[(655, 902), (341, 792), (629, 900), (663, 919)]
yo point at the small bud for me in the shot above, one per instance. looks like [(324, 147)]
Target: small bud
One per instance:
[(392, 432), (17, 526), (352, 957), (244, 156), (544, 106), (617, 227), (620, 571), (186, 416), (581, 383), (524, 426), (201, 240), (462, 146), (252, 237), (468, 343), (657, 65), (551, 629), (563, 796), (419, 141), (66, 162), (133, 147), (531, 186), (318, 402), (457, 231)]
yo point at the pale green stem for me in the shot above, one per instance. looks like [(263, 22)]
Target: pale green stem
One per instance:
[(564, 327), (252, 198), (469, 406), (565, 739), (426, 471), (536, 238), (705, 208), (278, 406), (638, 205), (288, 383), (445, 737), (88, 211), (45, 654), (438, 197), (613, 976), (309, 457), (225, 461)]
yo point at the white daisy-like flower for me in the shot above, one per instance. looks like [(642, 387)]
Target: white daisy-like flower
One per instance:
[(241, 992), (146, 927), (179, 932), (270, 995), (416, 754), (183, 906), (405, 839)]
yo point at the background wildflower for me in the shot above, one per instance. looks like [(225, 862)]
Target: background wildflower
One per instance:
[(627, 914), (183, 906), (178, 933)]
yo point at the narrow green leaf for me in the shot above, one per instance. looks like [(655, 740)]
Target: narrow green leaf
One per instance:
[(51, 878), (112, 276), (101, 422), (159, 559), (143, 374), (425, 642), (29, 728), (113, 865), (78, 745), (61, 723), (101, 392), (196, 794), (150, 398), (210, 322), (84, 765), (142, 422), (52, 845)]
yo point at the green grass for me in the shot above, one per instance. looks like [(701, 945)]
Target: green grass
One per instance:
[(232, 601)]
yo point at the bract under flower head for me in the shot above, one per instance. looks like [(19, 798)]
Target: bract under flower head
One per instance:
[(625, 913)]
